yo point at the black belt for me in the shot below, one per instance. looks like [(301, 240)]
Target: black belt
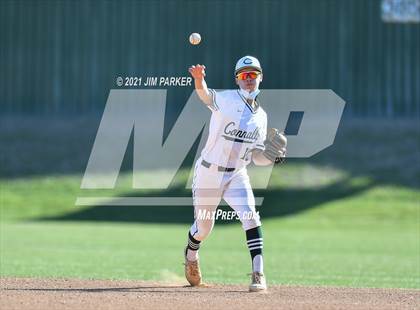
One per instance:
[(222, 169)]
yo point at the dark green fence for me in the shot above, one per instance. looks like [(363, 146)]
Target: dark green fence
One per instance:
[(64, 56)]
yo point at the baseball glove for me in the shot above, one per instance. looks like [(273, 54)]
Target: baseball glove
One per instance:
[(275, 146)]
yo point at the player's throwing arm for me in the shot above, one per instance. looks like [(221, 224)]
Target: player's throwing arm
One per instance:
[(198, 72)]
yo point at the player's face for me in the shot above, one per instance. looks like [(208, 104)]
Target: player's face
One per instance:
[(248, 80)]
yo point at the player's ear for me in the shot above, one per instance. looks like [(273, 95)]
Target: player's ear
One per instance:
[(261, 77), (236, 81)]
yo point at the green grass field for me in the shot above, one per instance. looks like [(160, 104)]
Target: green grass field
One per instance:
[(349, 216)]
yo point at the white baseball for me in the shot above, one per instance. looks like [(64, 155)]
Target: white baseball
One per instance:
[(195, 38)]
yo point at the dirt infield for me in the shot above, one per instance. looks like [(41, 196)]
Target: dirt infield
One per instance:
[(99, 294)]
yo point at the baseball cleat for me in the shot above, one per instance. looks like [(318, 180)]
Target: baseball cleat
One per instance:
[(258, 282), (192, 271)]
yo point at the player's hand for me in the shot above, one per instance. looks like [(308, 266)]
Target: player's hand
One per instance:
[(275, 146), (197, 72)]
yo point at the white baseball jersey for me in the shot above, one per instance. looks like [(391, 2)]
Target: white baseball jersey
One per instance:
[(235, 130)]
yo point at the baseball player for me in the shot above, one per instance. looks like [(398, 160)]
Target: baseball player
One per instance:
[(237, 136)]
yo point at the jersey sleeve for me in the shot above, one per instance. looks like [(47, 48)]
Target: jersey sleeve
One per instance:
[(259, 144), (219, 100)]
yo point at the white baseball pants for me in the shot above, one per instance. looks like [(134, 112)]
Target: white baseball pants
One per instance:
[(211, 185)]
